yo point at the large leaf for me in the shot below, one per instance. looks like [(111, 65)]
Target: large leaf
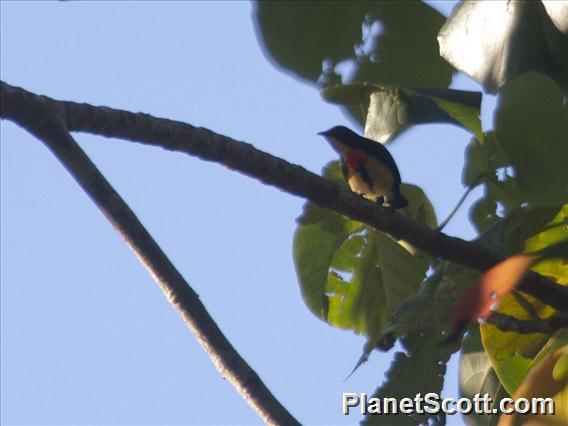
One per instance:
[(531, 123), (497, 282), (419, 208), (315, 42), (485, 164), (483, 214), (512, 354), (351, 276), (494, 41), (418, 370), (392, 109), (366, 277), (525, 222), (421, 323), (543, 381), (477, 377), (319, 235), (482, 159), (555, 232), (427, 311), (299, 35), (378, 275)]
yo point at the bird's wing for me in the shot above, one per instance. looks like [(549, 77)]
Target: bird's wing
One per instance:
[(378, 151)]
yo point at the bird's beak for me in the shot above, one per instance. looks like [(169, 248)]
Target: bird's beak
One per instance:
[(322, 133)]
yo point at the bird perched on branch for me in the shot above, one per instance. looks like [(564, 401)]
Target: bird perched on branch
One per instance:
[(367, 166)]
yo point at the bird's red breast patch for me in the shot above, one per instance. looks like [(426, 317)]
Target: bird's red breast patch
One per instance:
[(355, 158)]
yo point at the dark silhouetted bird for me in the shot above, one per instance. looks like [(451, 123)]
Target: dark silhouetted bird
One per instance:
[(367, 166)]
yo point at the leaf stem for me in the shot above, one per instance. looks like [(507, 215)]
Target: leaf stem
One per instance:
[(460, 202)]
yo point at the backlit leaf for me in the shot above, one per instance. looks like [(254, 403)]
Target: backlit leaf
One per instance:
[(477, 377), (351, 276), (512, 354), (495, 41), (540, 383)]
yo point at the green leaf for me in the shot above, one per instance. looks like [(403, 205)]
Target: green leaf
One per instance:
[(461, 106), (401, 271), (493, 42), (395, 108), (422, 324), (482, 159), (542, 382), (392, 109), (299, 35), (355, 97), (318, 236), (351, 276), (315, 41), (557, 251), (560, 371), (368, 276), (555, 232), (531, 124), (512, 354), (493, 238), (382, 277), (358, 302), (559, 340), (513, 368), (419, 208), (387, 115), (505, 191), (547, 380), (476, 163), (524, 222), (483, 214), (480, 167), (420, 370), (353, 94), (476, 376), (427, 311)]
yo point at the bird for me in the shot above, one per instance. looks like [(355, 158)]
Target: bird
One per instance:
[(367, 166)]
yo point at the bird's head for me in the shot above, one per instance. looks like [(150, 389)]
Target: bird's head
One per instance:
[(341, 138), (340, 133)]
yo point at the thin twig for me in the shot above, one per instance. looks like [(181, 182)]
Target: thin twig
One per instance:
[(210, 146), (45, 120), (458, 205)]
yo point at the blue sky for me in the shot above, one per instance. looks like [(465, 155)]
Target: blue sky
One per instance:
[(87, 337)]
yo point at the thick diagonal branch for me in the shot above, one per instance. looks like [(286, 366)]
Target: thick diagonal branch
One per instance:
[(209, 146), (46, 120)]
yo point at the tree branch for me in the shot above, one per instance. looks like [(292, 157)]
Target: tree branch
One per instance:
[(209, 146), (45, 119), (538, 325)]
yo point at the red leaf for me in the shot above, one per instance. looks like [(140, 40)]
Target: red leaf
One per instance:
[(493, 285)]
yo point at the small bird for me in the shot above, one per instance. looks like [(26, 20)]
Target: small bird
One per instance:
[(367, 166)]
